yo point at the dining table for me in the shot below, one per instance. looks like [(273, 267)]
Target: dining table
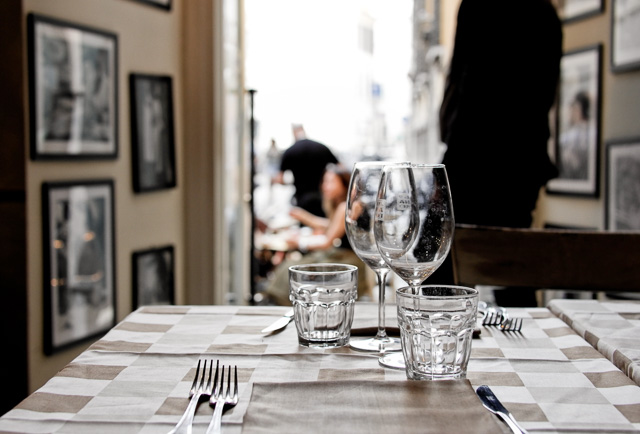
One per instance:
[(136, 379)]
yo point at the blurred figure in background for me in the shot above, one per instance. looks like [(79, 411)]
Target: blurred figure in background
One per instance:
[(328, 240), (494, 116), (306, 159)]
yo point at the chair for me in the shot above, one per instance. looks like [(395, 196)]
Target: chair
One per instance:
[(547, 258)]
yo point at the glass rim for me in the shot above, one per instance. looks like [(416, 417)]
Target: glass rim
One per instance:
[(340, 268), (376, 163), (417, 165), (469, 292)]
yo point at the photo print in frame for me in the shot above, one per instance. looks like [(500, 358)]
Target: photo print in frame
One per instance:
[(152, 132), (625, 34), (79, 261), (623, 185), (577, 129), (162, 4), (73, 73), (153, 277), (573, 10)]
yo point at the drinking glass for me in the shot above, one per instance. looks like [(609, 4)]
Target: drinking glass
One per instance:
[(413, 225), (361, 203)]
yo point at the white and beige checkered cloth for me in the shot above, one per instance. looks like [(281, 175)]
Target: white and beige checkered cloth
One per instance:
[(612, 327), (136, 378)]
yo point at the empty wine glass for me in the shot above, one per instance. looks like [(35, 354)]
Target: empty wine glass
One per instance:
[(413, 225), (361, 203)]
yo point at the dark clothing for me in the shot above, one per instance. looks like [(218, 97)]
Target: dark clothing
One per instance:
[(495, 112), (307, 160)]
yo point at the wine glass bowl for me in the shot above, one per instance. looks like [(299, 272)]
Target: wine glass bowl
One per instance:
[(414, 221)]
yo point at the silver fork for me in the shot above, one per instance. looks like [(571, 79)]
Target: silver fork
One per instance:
[(199, 389), (221, 398), (511, 325), (494, 319)]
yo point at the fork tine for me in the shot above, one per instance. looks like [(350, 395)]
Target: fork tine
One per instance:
[(235, 383), (194, 385)]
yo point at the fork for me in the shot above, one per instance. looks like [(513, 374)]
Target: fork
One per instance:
[(221, 398), (494, 319), (199, 389), (511, 325)]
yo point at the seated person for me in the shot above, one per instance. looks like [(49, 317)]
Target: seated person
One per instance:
[(328, 242)]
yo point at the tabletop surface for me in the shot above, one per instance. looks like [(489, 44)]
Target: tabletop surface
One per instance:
[(136, 378), (612, 327)]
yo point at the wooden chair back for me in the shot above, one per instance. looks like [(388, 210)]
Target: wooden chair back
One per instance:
[(547, 258)]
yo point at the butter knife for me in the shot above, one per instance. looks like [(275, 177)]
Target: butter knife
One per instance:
[(280, 323), (492, 403)]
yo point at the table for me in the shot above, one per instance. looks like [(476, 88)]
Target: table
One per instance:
[(136, 378), (612, 327)]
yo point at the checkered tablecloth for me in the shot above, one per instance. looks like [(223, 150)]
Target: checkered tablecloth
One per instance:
[(136, 378), (612, 327)]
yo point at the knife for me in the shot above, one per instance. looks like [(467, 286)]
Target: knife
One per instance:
[(492, 403), (280, 323)]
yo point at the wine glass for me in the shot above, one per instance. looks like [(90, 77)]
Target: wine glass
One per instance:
[(361, 203), (413, 225)]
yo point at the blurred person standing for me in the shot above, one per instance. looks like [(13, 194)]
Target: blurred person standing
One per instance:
[(306, 159), (494, 116)]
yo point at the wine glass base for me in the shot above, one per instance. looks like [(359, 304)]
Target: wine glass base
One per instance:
[(393, 361), (376, 344)]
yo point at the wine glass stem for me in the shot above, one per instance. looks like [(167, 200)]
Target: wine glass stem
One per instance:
[(381, 275)]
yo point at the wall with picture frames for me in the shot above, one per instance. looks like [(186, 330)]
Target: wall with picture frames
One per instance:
[(596, 142), (104, 184)]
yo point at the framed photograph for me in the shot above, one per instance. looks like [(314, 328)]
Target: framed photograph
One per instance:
[(623, 185), (152, 134), (153, 281), (79, 261), (73, 74), (577, 130), (625, 34), (573, 10), (163, 4)]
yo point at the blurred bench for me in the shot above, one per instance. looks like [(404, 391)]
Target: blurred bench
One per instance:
[(547, 258)]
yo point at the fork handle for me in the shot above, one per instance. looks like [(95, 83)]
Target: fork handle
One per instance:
[(185, 424), (216, 421)]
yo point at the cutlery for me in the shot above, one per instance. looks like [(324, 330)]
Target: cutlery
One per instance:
[(492, 403), (511, 325), (221, 398), (199, 389), (280, 323)]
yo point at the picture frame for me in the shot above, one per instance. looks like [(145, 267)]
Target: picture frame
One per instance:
[(622, 198), (152, 132), (574, 10), (153, 276), (78, 261), (577, 124), (625, 33), (162, 4), (73, 90)]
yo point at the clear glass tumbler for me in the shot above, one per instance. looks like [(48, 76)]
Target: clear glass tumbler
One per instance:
[(323, 298), (436, 329)]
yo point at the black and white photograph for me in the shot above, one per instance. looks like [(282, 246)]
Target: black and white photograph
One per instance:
[(73, 90), (577, 126), (623, 185), (625, 34), (163, 4), (572, 10), (152, 132), (79, 270), (153, 277)]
